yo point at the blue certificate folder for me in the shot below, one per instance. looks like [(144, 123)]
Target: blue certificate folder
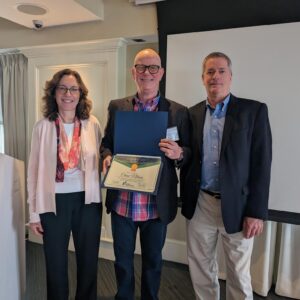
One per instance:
[(139, 133)]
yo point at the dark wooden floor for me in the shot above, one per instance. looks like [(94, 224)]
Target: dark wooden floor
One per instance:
[(175, 282)]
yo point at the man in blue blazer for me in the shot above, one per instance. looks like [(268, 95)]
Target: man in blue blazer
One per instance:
[(225, 188)]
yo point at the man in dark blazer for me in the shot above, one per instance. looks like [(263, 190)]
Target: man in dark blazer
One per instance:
[(225, 188), (131, 211)]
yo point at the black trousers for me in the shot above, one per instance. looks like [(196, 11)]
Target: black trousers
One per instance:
[(84, 221)]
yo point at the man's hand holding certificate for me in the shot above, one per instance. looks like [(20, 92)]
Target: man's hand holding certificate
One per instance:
[(140, 141)]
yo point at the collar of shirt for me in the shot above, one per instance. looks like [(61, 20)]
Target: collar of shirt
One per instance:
[(221, 107), (150, 105)]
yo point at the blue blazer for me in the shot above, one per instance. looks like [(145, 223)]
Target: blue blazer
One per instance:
[(245, 162)]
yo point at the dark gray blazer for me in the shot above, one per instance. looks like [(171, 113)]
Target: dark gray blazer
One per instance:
[(245, 162), (166, 197)]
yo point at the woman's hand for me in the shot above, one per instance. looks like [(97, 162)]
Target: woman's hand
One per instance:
[(106, 164), (37, 228)]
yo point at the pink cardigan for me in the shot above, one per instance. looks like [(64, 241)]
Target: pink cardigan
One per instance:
[(42, 165)]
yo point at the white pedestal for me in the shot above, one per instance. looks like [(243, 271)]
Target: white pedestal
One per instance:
[(12, 229)]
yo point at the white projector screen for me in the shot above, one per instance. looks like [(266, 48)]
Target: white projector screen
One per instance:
[(266, 67)]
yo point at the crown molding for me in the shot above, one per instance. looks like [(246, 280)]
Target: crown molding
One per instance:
[(106, 45)]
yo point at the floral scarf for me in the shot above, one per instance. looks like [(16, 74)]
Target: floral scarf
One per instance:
[(67, 158)]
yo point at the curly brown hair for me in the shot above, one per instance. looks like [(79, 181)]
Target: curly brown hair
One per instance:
[(50, 109)]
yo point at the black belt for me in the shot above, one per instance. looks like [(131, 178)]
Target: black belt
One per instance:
[(213, 194)]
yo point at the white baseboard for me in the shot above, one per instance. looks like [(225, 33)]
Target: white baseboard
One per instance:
[(174, 250)]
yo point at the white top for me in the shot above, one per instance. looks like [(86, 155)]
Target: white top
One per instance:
[(73, 178)]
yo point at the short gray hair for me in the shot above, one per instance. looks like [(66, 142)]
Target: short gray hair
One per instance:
[(216, 55)]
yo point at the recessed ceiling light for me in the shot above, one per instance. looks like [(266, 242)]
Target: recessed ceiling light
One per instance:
[(31, 9)]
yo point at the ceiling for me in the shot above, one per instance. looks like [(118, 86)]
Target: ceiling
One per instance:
[(37, 14), (51, 12)]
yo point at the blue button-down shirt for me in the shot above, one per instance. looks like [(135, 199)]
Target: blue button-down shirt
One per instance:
[(212, 140)]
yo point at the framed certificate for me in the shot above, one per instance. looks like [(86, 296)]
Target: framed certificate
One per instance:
[(134, 173)]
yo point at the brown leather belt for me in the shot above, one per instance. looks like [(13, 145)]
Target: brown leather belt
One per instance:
[(213, 194)]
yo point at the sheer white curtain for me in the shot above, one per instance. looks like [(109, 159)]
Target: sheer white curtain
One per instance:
[(14, 103), (288, 278)]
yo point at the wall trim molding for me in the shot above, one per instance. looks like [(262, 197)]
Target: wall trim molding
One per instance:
[(105, 45)]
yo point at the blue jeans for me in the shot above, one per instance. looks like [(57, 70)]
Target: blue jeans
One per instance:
[(152, 239)]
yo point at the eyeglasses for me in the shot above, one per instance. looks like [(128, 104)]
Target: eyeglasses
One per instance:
[(74, 91), (153, 69)]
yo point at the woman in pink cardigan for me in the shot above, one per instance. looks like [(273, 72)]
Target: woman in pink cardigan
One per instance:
[(63, 185)]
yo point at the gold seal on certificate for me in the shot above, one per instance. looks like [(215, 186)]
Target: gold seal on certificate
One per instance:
[(134, 173)]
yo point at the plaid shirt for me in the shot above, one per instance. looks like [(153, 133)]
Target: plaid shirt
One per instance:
[(134, 205)]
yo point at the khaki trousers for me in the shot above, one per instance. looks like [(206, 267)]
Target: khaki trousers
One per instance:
[(203, 231)]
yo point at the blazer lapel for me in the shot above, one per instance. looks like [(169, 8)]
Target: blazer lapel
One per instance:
[(201, 111), (232, 110), (128, 104), (163, 104)]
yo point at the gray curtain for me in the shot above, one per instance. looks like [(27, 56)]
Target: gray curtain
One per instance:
[(14, 103), (1, 117)]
